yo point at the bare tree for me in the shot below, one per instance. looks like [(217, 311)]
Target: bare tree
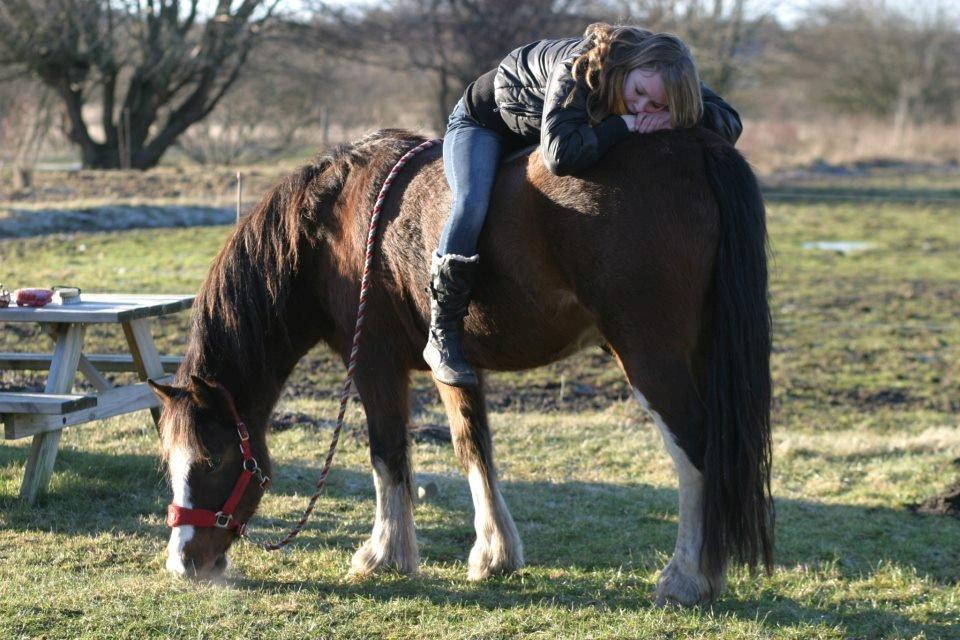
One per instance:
[(27, 115), (864, 57), (307, 93), (452, 40), (154, 67), (724, 34)]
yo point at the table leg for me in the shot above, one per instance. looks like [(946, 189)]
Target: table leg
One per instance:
[(63, 370), (90, 372), (93, 375), (146, 360)]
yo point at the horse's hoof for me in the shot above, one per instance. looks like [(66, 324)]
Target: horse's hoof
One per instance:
[(369, 560), (486, 561), (675, 587)]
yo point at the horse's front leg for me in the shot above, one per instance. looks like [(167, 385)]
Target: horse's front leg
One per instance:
[(498, 548), (392, 543)]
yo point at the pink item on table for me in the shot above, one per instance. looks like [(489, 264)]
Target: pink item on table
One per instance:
[(32, 297)]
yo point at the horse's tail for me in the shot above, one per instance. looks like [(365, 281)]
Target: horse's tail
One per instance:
[(738, 508)]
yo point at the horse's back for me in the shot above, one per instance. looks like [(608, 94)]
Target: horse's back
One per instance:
[(562, 255), (630, 241)]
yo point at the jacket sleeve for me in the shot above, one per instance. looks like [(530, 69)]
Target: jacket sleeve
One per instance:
[(567, 142), (720, 117)]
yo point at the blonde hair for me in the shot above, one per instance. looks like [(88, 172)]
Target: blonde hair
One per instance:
[(615, 51)]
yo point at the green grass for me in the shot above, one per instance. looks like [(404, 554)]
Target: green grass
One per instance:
[(867, 390)]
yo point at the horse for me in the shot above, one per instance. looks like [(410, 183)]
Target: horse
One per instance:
[(658, 253)]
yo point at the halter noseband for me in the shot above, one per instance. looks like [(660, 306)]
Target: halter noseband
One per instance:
[(178, 516)]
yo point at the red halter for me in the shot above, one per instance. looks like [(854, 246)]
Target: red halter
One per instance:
[(223, 519)]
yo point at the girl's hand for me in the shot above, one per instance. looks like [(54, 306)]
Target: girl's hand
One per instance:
[(650, 122)]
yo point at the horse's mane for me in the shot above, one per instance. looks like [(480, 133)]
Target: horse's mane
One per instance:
[(240, 307)]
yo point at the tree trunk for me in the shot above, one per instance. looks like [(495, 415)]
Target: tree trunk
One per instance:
[(99, 156)]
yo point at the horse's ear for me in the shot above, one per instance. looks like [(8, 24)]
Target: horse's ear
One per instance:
[(201, 384), (206, 394), (166, 392)]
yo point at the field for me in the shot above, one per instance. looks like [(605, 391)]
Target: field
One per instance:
[(866, 369)]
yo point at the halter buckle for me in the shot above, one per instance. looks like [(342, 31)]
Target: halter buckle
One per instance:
[(253, 467), (224, 519), (242, 430), (262, 479)]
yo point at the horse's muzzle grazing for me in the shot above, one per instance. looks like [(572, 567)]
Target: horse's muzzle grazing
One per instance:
[(184, 566), (198, 554)]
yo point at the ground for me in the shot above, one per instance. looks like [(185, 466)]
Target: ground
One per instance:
[(867, 392)]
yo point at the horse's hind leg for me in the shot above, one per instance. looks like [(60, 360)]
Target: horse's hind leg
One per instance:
[(664, 383), (392, 543), (498, 548)]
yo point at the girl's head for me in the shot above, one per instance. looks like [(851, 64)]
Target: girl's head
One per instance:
[(628, 70)]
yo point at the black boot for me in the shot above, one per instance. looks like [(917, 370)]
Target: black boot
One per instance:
[(451, 281)]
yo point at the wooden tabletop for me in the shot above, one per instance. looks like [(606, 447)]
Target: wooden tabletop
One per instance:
[(101, 307)]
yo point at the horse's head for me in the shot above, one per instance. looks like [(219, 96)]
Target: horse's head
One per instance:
[(218, 477)]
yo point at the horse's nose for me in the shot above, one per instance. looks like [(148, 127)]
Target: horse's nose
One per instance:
[(220, 564), (179, 564)]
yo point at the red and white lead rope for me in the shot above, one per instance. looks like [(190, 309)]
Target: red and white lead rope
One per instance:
[(357, 331)]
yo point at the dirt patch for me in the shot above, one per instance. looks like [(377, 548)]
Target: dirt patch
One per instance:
[(873, 399), (554, 396), (583, 383), (945, 504), (284, 420), (860, 398)]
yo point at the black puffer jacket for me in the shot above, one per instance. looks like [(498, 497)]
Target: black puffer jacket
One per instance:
[(533, 82)]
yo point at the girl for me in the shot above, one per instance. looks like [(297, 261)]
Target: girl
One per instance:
[(575, 97)]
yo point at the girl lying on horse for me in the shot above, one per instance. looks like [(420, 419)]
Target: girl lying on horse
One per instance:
[(575, 97)]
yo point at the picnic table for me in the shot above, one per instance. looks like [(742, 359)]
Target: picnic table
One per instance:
[(44, 415)]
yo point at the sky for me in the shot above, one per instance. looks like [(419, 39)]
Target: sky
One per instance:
[(787, 11)]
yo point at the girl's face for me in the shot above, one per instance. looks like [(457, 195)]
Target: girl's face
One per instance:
[(643, 92)]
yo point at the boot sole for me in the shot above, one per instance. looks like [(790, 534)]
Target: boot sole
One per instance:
[(457, 382), (469, 380)]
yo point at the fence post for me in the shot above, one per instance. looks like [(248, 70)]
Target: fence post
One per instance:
[(239, 194)]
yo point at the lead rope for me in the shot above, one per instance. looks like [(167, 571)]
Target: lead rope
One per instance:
[(357, 331)]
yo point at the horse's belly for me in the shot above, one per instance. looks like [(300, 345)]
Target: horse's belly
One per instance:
[(520, 331)]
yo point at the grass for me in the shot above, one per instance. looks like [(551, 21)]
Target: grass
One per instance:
[(867, 393)]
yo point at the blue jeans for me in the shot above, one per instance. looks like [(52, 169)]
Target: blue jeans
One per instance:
[(471, 157)]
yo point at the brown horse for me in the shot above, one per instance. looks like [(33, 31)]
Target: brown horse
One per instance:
[(659, 252)]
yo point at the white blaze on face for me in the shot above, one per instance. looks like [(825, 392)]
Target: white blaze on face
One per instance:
[(179, 536)]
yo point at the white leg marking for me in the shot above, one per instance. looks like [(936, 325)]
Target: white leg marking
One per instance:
[(393, 542), (682, 580), (498, 548), (179, 536)]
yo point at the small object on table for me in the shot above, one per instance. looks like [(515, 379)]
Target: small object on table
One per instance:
[(33, 297), (66, 295)]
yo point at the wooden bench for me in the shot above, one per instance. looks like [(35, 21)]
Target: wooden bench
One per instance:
[(30, 414), (41, 362), (43, 403)]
